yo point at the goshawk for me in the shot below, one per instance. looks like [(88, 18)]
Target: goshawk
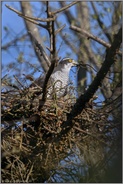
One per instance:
[(59, 79)]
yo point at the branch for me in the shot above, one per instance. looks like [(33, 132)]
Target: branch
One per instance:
[(29, 17), (90, 36), (34, 22), (64, 8), (60, 29), (83, 99), (70, 18)]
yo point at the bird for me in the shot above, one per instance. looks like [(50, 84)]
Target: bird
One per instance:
[(59, 79)]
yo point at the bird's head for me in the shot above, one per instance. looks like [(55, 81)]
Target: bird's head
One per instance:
[(68, 62)]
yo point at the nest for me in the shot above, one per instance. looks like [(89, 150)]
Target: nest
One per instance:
[(29, 136)]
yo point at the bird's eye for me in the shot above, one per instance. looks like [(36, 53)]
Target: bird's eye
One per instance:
[(70, 60)]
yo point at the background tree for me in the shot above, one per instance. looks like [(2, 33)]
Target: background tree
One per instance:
[(90, 131)]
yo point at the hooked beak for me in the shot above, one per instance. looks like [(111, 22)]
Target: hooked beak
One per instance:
[(75, 64)]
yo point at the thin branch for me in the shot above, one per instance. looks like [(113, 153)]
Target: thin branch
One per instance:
[(64, 8), (29, 173), (69, 16), (34, 22), (29, 17), (90, 36), (58, 30)]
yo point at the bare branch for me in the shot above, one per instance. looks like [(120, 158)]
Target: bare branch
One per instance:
[(34, 22), (58, 30), (89, 35), (29, 17), (70, 18), (65, 8)]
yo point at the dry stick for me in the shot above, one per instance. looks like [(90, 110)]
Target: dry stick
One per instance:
[(29, 173), (83, 99), (84, 32)]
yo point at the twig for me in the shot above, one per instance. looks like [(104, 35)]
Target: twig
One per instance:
[(34, 22), (64, 8), (18, 82), (29, 173), (25, 16), (48, 151), (69, 16), (58, 30), (89, 35)]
